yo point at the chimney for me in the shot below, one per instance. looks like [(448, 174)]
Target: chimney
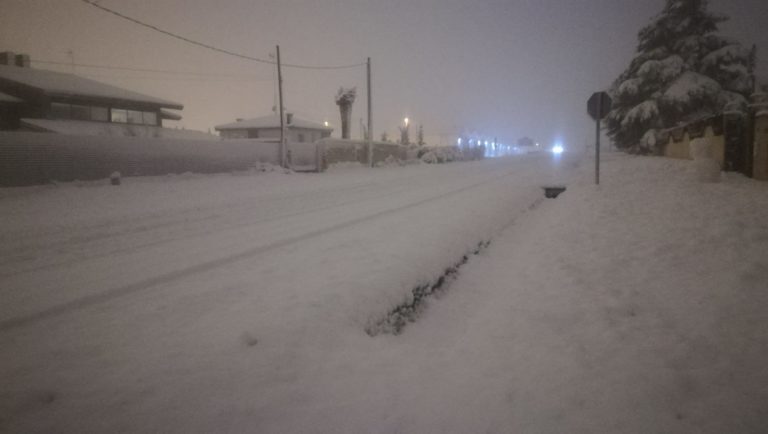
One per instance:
[(23, 60), (289, 118), (7, 58)]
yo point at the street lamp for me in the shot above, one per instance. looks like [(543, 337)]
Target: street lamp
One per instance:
[(406, 121)]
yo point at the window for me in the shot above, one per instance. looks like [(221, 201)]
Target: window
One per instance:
[(100, 114), (235, 134), (150, 118), (119, 115), (59, 111), (135, 117), (301, 138), (80, 112), (253, 134)]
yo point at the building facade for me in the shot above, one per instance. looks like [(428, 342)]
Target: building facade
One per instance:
[(50, 101)]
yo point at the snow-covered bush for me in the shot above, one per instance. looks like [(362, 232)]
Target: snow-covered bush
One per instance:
[(390, 161), (429, 157), (440, 154)]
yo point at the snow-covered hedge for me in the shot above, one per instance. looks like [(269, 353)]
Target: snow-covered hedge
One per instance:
[(342, 151), (447, 154)]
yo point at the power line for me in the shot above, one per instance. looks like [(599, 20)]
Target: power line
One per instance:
[(211, 47), (127, 68), (193, 79)]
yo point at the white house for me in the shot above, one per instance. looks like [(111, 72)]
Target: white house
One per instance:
[(268, 127)]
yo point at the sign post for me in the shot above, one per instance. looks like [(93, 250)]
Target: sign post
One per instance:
[(598, 107)]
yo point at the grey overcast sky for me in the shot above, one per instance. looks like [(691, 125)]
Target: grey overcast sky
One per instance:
[(502, 68)]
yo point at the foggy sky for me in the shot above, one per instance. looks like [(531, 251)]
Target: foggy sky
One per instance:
[(502, 68)]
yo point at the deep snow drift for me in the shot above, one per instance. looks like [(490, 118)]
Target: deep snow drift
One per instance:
[(239, 303)]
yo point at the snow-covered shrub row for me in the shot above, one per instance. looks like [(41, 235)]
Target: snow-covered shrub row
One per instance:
[(342, 151), (442, 154)]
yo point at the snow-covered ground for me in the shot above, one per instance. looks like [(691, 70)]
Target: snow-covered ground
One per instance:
[(239, 303)]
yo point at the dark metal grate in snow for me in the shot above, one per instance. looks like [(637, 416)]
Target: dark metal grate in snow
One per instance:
[(553, 192), (400, 316)]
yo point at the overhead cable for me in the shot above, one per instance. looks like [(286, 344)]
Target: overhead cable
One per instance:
[(211, 47)]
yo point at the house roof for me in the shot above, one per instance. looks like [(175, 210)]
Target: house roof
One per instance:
[(272, 121), (60, 84), (172, 116), (5, 98)]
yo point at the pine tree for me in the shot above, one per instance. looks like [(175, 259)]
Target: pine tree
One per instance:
[(682, 71), (420, 136)]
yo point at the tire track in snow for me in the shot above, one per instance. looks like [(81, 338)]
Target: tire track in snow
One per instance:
[(164, 221), (197, 233), (143, 285)]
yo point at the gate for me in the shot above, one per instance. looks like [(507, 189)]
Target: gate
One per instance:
[(738, 147)]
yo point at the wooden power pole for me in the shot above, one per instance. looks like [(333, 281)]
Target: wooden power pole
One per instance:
[(370, 115), (280, 110)]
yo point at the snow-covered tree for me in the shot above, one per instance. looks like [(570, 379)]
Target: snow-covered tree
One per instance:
[(683, 70), (344, 99), (420, 136), (404, 133)]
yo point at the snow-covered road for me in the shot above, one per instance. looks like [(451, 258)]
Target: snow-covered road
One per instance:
[(112, 242), (142, 283), (239, 303)]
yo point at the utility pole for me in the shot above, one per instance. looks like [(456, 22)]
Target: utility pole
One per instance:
[(751, 67), (598, 107), (370, 116), (597, 142), (282, 121), (274, 83)]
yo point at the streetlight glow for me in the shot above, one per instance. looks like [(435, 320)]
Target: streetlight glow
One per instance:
[(406, 122)]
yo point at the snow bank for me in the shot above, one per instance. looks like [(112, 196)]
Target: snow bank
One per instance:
[(706, 168)]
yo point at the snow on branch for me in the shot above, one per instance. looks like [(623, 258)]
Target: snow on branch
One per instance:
[(643, 112), (691, 86), (728, 55)]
